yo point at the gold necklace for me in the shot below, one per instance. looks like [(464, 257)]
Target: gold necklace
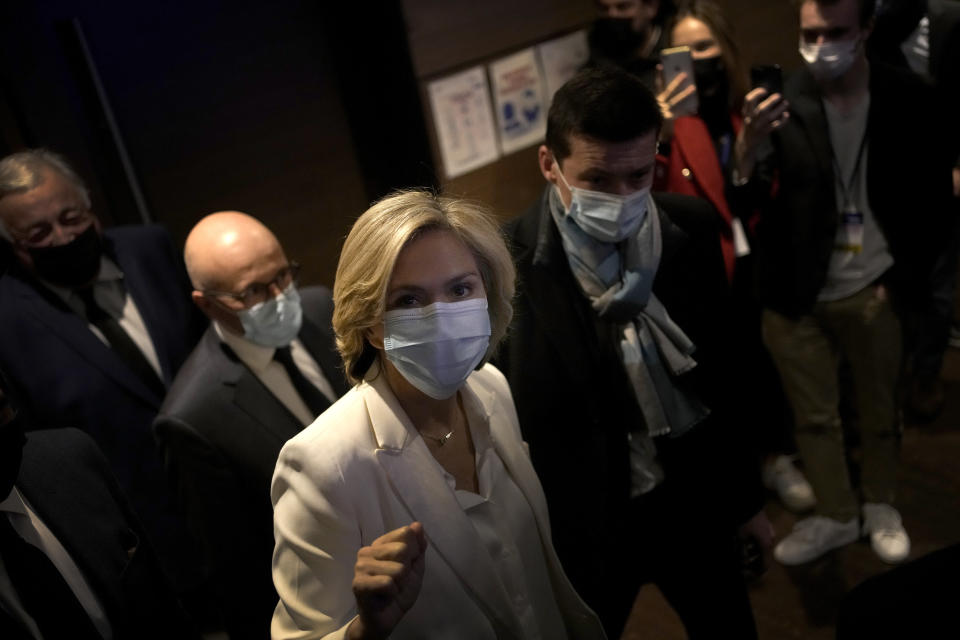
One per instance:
[(442, 440)]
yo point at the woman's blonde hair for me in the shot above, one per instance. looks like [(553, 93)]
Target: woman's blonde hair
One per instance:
[(370, 253)]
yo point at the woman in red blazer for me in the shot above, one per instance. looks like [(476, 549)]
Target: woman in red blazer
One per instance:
[(695, 151)]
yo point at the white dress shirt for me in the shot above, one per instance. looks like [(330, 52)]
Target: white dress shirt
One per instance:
[(505, 523), (112, 296), (31, 528), (259, 360)]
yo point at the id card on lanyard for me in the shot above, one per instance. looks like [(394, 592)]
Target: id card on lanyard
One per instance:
[(850, 232)]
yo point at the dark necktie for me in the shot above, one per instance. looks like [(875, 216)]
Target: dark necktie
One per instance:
[(43, 592), (316, 402), (120, 341)]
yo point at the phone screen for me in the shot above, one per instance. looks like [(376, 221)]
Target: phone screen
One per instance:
[(677, 60), (768, 76)]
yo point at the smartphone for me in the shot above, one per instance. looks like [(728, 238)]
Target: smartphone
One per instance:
[(768, 76), (676, 60)]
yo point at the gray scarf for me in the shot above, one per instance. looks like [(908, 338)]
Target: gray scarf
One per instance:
[(618, 280)]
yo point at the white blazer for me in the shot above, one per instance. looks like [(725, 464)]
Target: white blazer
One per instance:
[(359, 471)]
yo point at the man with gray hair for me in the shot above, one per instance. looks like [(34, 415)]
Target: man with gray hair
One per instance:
[(95, 324)]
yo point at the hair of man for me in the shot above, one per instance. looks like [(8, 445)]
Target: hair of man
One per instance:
[(865, 8), (604, 103)]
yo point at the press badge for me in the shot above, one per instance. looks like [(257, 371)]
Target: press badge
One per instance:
[(851, 230)]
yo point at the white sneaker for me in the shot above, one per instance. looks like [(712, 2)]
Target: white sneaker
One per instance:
[(813, 537), (883, 525), (788, 482)]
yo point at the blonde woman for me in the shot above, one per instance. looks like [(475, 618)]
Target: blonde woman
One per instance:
[(410, 508)]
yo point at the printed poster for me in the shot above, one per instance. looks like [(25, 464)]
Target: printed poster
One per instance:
[(561, 59), (464, 123), (518, 97)]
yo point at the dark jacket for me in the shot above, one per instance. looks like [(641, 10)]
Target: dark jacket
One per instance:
[(65, 376), (66, 480), (908, 185), (220, 430), (575, 402)]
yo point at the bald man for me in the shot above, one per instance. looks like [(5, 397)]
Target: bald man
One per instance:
[(266, 367)]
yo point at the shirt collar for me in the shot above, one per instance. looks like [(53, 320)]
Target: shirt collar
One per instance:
[(255, 356)]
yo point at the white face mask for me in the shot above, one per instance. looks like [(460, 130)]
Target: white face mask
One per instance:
[(275, 322), (437, 347), (606, 216), (830, 60)]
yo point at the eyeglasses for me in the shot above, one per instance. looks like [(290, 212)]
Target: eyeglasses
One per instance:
[(258, 292), (72, 220)]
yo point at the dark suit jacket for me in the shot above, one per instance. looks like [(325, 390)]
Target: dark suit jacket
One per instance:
[(908, 185), (576, 404), (221, 431), (65, 376), (66, 480)]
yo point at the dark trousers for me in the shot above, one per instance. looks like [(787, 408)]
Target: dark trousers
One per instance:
[(692, 557)]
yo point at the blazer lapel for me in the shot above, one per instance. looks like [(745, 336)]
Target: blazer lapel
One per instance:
[(549, 284), (420, 485), (252, 397), (693, 142), (502, 431), (807, 111), (73, 330)]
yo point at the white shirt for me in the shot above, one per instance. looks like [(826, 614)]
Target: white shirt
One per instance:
[(31, 528), (505, 523), (112, 296), (259, 360)]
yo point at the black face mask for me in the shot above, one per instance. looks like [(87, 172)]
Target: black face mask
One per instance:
[(614, 38), (70, 265), (710, 74)]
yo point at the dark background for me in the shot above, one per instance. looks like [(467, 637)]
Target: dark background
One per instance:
[(300, 113)]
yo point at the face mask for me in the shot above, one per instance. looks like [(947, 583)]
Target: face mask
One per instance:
[(70, 265), (614, 38), (710, 76), (275, 322), (435, 348), (606, 217), (830, 60)]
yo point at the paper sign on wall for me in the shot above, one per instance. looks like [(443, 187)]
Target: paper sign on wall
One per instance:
[(464, 124), (518, 96), (561, 59)]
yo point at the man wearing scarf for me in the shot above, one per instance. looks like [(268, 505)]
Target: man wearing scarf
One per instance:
[(614, 357)]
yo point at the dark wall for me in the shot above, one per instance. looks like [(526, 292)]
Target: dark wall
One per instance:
[(220, 105), (299, 112)]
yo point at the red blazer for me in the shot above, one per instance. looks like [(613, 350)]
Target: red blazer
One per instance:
[(693, 169)]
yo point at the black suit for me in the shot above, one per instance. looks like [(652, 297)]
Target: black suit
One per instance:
[(576, 407), (66, 480), (65, 376), (221, 431)]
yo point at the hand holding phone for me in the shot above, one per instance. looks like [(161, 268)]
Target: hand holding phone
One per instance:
[(767, 76), (679, 94)]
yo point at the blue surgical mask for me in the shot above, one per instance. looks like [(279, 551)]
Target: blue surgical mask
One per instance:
[(830, 60), (607, 217), (437, 347), (275, 322)]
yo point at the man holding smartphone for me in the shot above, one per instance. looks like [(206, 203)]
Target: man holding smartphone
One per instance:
[(847, 244)]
